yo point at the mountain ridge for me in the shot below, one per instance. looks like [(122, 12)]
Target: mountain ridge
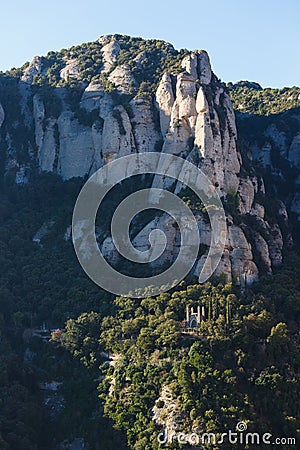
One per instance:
[(73, 111)]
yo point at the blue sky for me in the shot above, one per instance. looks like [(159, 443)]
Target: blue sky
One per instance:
[(256, 40)]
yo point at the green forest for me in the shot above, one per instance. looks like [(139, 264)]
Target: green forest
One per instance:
[(111, 357), (251, 98)]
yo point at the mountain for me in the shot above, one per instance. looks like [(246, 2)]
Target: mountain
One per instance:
[(80, 368), (71, 112)]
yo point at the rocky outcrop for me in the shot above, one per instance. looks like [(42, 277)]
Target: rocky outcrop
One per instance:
[(92, 95), (117, 138), (76, 147), (167, 411), (194, 120), (165, 100), (198, 65), (274, 143), (164, 223), (140, 59), (34, 68), (276, 245), (110, 53), (237, 260), (122, 79), (243, 267), (262, 249), (204, 68), (71, 70), (246, 190), (145, 131)]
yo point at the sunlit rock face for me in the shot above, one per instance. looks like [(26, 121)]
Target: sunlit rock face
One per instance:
[(190, 115)]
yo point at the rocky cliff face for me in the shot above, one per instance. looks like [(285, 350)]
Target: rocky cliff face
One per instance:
[(273, 143), (72, 130)]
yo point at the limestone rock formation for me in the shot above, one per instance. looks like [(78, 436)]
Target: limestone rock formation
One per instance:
[(34, 68), (167, 411), (71, 70), (92, 94), (243, 267), (198, 65), (191, 120), (275, 145), (110, 53), (165, 101), (76, 147), (122, 79), (190, 115), (117, 138), (146, 134)]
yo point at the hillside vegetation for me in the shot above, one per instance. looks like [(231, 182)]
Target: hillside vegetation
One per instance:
[(253, 99)]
